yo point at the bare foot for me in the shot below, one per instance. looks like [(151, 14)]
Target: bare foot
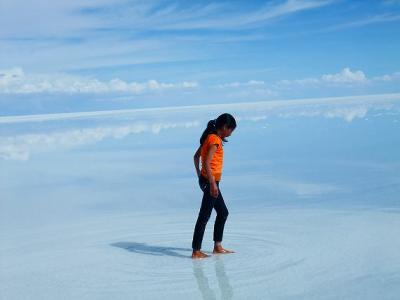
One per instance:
[(220, 250), (199, 254)]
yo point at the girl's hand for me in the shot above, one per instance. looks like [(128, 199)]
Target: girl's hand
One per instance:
[(214, 190)]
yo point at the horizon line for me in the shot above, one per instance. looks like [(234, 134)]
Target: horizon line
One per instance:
[(273, 103)]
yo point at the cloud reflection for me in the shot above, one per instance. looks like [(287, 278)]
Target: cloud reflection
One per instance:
[(19, 146)]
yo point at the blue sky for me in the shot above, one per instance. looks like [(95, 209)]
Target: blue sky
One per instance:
[(63, 56)]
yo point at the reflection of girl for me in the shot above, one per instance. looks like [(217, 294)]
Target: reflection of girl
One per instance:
[(211, 153)]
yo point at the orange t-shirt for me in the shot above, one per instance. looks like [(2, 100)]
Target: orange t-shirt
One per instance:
[(218, 158)]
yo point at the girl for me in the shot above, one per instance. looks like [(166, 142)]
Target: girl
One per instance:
[(212, 153)]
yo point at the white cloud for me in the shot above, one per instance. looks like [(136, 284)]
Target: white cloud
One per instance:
[(345, 76), (287, 7), (346, 113), (301, 82), (70, 35), (366, 21), (346, 79), (241, 84), (20, 147), (212, 16), (383, 78), (255, 82), (393, 77), (19, 18), (299, 188), (252, 118), (305, 189), (38, 18), (15, 81)]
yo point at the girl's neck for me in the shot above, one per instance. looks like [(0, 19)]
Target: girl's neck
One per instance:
[(219, 134)]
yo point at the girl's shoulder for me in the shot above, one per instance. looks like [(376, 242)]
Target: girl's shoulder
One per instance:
[(214, 139), (214, 136)]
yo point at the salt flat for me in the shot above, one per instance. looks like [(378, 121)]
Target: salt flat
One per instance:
[(281, 253), (105, 206)]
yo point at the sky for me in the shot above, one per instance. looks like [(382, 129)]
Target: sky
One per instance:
[(71, 56)]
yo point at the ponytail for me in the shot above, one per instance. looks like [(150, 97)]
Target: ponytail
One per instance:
[(211, 128)]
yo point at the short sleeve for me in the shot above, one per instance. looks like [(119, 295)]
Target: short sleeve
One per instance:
[(214, 140)]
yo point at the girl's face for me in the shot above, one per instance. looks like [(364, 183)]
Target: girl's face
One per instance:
[(225, 132)]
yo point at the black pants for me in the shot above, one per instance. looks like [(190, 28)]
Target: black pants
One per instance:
[(207, 204)]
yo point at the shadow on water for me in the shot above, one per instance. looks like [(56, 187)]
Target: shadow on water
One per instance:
[(202, 281), (143, 248)]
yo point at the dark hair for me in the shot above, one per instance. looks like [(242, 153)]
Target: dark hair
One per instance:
[(225, 119)]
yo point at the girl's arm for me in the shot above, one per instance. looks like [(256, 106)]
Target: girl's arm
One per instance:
[(196, 159), (211, 179)]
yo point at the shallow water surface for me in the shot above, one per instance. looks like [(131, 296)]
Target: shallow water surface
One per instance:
[(102, 205)]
